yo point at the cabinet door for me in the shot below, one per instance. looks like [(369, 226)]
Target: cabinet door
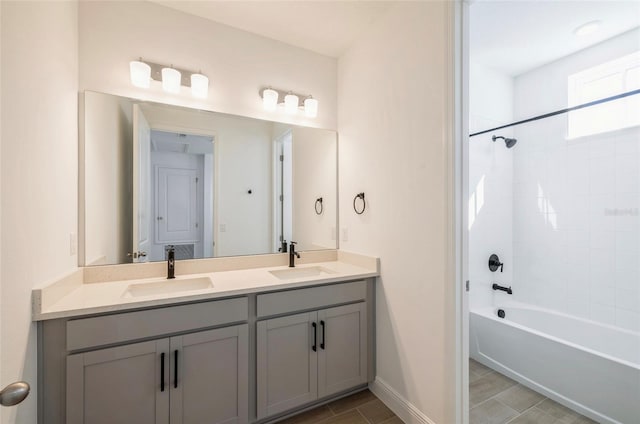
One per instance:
[(119, 385), (287, 363), (212, 377), (342, 352)]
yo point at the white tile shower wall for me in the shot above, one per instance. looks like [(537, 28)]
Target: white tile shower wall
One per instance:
[(490, 185), (576, 227)]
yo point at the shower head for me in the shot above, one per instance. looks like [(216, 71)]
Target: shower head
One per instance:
[(510, 142)]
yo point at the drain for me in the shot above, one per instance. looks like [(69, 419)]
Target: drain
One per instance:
[(501, 313)]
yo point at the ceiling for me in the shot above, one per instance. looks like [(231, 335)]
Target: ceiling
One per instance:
[(515, 36), (511, 36), (325, 27)]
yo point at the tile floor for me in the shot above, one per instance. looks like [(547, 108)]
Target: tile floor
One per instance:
[(360, 408), (496, 399), (493, 398)]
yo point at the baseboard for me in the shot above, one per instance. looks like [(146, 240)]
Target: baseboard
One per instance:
[(404, 409)]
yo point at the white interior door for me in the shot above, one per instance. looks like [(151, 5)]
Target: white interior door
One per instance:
[(177, 205), (141, 185)]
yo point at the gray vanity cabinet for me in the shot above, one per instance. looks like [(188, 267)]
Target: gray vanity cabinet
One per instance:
[(305, 357), (239, 360), (212, 385), (118, 385), (342, 353), (189, 379), (287, 365)]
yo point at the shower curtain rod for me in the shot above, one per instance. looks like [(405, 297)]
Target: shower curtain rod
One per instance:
[(558, 112)]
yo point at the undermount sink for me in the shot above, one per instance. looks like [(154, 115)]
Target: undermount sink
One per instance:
[(168, 286), (311, 271)]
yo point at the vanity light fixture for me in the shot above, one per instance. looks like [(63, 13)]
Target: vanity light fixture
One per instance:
[(310, 107), (140, 74), (171, 78), (199, 86), (290, 101), (270, 99)]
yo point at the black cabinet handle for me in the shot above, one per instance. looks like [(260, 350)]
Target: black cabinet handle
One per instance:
[(175, 369), (315, 336), (162, 372), (323, 331)]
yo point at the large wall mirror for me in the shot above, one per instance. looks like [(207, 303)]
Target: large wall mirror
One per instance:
[(210, 184)]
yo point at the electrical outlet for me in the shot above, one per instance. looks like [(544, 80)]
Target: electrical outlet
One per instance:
[(73, 244), (223, 228), (345, 234)]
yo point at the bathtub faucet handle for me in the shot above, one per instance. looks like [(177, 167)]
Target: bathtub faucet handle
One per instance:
[(494, 263)]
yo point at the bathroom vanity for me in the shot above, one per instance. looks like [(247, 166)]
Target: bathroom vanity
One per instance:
[(238, 336), (261, 341)]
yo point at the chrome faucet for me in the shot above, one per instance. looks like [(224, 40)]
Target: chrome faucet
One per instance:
[(293, 254), (171, 262)]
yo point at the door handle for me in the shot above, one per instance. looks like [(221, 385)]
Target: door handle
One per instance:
[(162, 372), (315, 336), (175, 369), (323, 331), (14, 393)]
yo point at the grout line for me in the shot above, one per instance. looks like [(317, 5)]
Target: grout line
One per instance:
[(362, 416), (499, 393), (518, 413), (333, 414)]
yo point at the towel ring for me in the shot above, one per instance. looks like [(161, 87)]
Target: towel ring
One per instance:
[(319, 202), (364, 203)]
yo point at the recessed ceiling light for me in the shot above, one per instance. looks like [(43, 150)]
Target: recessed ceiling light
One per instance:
[(588, 28)]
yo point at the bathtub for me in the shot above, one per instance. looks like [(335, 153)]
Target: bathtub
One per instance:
[(589, 367)]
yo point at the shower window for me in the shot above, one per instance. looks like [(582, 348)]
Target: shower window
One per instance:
[(605, 80)]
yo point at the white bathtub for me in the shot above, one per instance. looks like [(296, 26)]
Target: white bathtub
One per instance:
[(589, 367)]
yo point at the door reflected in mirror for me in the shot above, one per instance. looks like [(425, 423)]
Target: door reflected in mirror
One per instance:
[(210, 184)]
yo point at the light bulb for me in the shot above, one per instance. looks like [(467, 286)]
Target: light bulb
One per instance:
[(199, 86), (291, 103), (269, 99), (140, 74), (171, 80), (310, 107)]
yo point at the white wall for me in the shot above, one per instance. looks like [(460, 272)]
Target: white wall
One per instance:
[(392, 120), (244, 163), (314, 175), (570, 253), (490, 184), (237, 62), (39, 173), (107, 181)]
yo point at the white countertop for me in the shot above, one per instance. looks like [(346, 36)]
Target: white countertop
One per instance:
[(73, 296)]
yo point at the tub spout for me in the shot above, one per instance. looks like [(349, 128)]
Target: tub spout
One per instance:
[(502, 288)]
